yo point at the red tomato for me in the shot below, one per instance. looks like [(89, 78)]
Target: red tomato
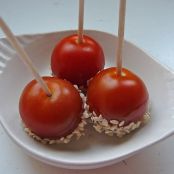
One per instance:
[(122, 98), (77, 62), (51, 117)]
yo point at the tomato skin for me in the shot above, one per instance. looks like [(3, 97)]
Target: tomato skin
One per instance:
[(51, 117), (77, 62), (122, 98)]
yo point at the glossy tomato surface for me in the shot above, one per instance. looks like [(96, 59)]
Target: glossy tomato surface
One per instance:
[(77, 62), (116, 97), (51, 117)]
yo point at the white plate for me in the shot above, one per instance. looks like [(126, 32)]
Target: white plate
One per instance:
[(93, 150)]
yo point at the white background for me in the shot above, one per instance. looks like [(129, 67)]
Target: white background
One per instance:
[(149, 24)]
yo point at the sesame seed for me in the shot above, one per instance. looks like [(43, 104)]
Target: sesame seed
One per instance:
[(114, 122), (105, 122), (121, 124), (115, 127)]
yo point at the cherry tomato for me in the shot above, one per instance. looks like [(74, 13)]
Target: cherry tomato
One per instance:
[(77, 62), (51, 117), (122, 98)]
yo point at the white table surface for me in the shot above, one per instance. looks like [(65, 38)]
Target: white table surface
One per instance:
[(149, 24)]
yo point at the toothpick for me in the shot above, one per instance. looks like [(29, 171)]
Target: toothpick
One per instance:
[(23, 55), (81, 19), (122, 12)]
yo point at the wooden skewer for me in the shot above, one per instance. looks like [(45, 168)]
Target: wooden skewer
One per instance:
[(122, 13), (23, 55), (81, 21)]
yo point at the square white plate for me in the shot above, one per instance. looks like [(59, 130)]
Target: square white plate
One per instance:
[(93, 150)]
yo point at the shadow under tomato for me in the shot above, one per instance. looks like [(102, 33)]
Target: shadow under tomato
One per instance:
[(92, 138)]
